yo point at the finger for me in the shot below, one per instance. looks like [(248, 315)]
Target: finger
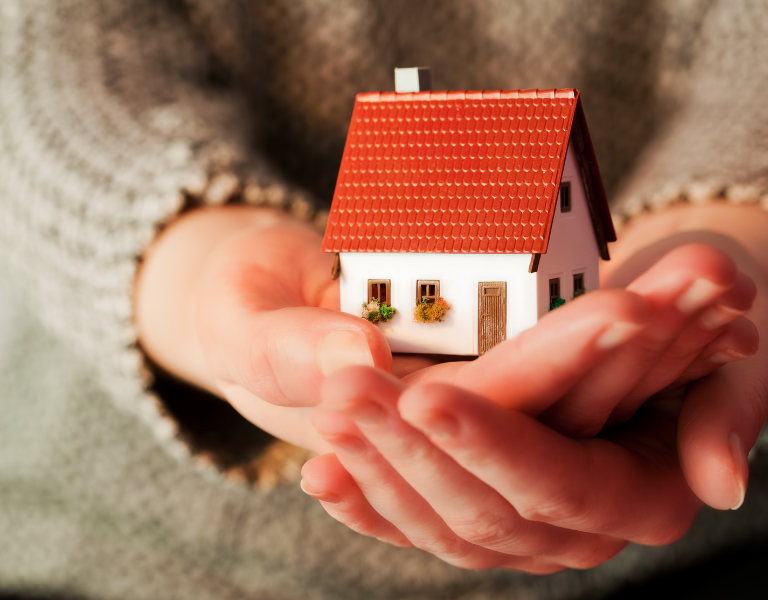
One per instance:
[(327, 480), (394, 499), (397, 503), (690, 344), (535, 368), (738, 341), (720, 421), (260, 323), (405, 364), (735, 303), (678, 287), (587, 485), (290, 424), (472, 509)]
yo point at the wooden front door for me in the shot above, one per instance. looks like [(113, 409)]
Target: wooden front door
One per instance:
[(491, 314)]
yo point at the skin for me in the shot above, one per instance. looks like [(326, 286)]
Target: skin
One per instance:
[(238, 301)]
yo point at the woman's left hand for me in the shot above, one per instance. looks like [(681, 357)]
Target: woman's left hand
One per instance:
[(497, 488)]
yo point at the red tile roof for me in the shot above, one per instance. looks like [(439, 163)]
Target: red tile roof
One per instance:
[(457, 172)]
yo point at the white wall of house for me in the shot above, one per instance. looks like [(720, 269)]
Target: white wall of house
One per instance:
[(572, 245), (459, 275)]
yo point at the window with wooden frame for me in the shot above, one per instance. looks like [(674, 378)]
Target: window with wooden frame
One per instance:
[(429, 289), (554, 290), (381, 290), (578, 285), (565, 197)]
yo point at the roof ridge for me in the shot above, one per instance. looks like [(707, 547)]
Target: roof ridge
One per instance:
[(465, 95)]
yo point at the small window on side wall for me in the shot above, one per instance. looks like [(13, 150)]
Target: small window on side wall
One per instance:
[(554, 294), (578, 285), (428, 289), (565, 197), (381, 290)]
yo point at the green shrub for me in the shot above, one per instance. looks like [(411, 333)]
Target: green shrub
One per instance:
[(556, 303), (376, 312), (424, 312)]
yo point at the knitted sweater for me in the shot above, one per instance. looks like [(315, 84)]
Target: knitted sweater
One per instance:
[(114, 117)]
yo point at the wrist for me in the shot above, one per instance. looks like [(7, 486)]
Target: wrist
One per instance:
[(737, 230), (714, 224)]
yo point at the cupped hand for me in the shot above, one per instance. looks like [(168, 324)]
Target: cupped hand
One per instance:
[(481, 486), (403, 485), (595, 360), (723, 413), (240, 302)]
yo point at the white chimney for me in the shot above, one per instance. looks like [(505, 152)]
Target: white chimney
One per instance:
[(415, 79)]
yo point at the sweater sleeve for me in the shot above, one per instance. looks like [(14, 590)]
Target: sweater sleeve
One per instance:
[(110, 124), (714, 143)]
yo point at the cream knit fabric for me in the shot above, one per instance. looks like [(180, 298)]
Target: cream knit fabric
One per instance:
[(109, 127)]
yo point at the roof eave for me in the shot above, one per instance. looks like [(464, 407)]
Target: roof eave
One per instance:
[(597, 201)]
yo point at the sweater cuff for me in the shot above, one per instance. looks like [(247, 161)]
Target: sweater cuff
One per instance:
[(699, 192), (189, 422)]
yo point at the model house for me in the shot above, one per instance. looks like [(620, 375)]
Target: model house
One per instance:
[(487, 203)]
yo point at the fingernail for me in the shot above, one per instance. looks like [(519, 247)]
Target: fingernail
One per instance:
[(437, 425), (319, 494), (726, 356), (350, 444), (617, 334), (717, 316), (698, 295), (342, 349), (741, 466)]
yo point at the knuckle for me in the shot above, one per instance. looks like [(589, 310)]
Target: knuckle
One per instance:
[(489, 531), (411, 449), (361, 524), (599, 551), (474, 562), (382, 483), (259, 372), (257, 363), (663, 527), (477, 454), (667, 534), (532, 564), (560, 510), (448, 547)]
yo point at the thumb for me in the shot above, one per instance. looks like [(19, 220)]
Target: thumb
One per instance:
[(282, 356), (719, 423)]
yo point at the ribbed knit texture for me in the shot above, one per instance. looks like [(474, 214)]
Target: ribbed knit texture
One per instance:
[(110, 122), (99, 133)]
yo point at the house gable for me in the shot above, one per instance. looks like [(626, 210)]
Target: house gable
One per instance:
[(574, 248), (597, 201)]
